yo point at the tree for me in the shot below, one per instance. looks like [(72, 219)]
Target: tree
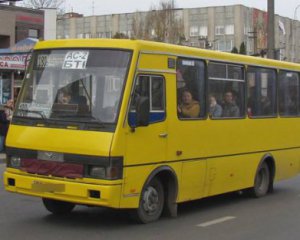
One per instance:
[(119, 35), (161, 23), (243, 49), (234, 50), (42, 3), (138, 24)]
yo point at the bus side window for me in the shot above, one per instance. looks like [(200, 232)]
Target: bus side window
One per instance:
[(226, 90), (289, 104), (261, 92), (190, 78), (152, 87)]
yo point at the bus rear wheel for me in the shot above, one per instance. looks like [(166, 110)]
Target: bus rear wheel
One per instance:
[(261, 181), (58, 207), (151, 202)]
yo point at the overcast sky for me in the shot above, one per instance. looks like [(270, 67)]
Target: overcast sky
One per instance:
[(282, 7)]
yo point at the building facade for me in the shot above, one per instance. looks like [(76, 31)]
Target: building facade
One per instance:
[(18, 35), (20, 23), (219, 28)]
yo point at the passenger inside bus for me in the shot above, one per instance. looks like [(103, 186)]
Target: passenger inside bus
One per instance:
[(215, 110), (230, 108), (188, 108), (64, 97)]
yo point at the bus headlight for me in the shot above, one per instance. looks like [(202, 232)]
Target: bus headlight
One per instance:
[(14, 162), (97, 172), (113, 171)]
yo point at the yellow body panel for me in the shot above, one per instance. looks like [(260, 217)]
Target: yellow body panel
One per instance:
[(71, 191), (60, 140), (208, 157)]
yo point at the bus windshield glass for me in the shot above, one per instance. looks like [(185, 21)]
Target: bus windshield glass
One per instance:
[(77, 85)]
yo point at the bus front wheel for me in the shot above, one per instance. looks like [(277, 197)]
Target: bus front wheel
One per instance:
[(151, 202), (58, 207), (262, 181)]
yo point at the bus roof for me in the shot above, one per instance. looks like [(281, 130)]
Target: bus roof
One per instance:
[(164, 48)]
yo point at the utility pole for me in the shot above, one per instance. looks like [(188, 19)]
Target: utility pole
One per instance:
[(271, 28)]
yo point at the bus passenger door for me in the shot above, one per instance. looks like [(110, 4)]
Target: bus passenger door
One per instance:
[(146, 145)]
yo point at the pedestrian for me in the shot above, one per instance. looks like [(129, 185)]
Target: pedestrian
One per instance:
[(5, 119)]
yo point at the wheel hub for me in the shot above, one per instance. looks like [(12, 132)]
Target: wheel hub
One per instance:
[(150, 200)]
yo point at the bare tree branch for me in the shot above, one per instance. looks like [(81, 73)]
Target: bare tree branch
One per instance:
[(160, 24), (43, 3)]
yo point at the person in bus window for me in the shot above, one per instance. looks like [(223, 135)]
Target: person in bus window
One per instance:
[(230, 109), (215, 110), (64, 97), (189, 108)]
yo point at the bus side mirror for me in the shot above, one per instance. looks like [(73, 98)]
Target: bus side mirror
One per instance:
[(142, 111)]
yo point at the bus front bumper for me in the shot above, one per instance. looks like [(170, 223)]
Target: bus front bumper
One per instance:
[(78, 193)]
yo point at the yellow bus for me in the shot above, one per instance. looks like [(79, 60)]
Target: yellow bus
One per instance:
[(138, 125)]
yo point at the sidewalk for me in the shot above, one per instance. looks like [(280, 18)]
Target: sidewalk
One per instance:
[(2, 157)]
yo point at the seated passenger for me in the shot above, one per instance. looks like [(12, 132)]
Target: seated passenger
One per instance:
[(215, 110), (230, 109), (189, 108), (64, 97)]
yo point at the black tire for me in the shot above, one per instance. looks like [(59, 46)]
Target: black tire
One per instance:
[(261, 181), (58, 207), (151, 202)]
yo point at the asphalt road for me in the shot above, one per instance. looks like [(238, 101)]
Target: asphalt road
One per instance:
[(226, 217)]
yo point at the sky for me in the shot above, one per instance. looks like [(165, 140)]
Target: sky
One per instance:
[(284, 8)]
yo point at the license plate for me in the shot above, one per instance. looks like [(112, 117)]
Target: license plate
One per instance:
[(39, 186)]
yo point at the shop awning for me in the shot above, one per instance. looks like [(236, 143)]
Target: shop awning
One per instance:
[(24, 45)]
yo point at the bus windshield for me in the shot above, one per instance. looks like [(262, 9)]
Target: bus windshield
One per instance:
[(77, 85)]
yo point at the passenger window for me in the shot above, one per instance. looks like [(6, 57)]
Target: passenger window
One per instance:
[(190, 88), (152, 87), (226, 90), (261, 92), (288, 93)]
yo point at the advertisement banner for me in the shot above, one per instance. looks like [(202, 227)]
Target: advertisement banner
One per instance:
[(13, 61)]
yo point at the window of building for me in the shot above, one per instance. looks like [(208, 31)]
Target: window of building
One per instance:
[(194, 31), (219, 30), (289, 104), (229, 29), (203, 31), (261, 92), (229, 45), (221, 46), (80, 35), (194, 44), (33, 33), (226, 90), (229, 12), (190, 88), (5, 87)]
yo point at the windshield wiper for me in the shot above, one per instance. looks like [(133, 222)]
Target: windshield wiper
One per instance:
[(33, 111)]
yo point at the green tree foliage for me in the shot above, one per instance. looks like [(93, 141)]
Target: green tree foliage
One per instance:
[(234, 50), (243, 49), (119, 35)]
